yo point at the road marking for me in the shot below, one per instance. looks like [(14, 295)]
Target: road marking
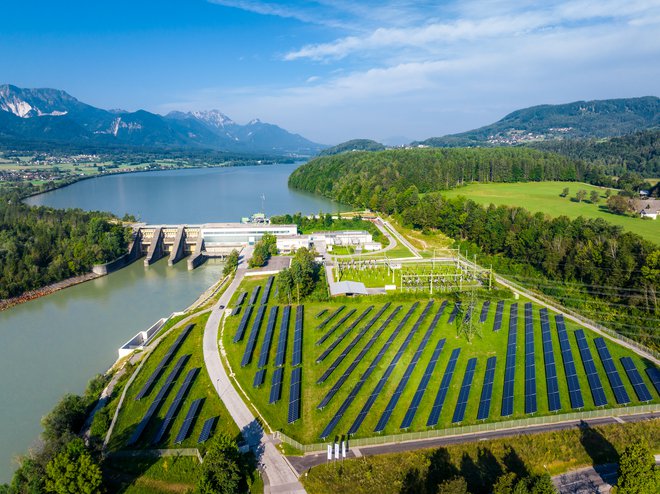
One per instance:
[(619, 420), (356, 452)]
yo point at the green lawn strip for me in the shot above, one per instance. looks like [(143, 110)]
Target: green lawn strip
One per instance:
[(544, 197), (132, 411), (480, 462), (151, 475)]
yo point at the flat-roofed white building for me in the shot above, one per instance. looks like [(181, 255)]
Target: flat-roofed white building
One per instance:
[(290, 243), (239, 233), (345, 237)]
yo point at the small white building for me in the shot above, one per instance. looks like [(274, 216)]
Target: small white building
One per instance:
[(649, 208), (352, 238), (290, 243)]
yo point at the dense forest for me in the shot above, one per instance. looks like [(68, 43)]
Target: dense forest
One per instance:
[(353, 145), (39, 246)]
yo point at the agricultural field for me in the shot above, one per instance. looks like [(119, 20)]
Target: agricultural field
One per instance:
[(381, 341), (544, 197)]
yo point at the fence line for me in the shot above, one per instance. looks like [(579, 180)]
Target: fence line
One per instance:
[(486, 427)]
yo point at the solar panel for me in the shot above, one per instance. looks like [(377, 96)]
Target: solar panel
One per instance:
[(297, 337), (254, 294), (259, 378), (294, 395), (454, 312), (388, 371), (334, 328), (440, 397), (620, 393), (330, 317), (654, 376), (574, 391), (266, 293), (188, 421), (340, 382), (365, 375), (530, 363), (209, 424), (174, 406), (236, 310), (268, 338), (464, 393), (280, 356), (171, 351), (240, 331), (341, 337), (276, 385), (510, 364), (499, 310), (241, 298), (595, 385), (484, 311), (254, 334), (421, 388), (385, 417), (642, 392), (487, 389), (552, 385), (321, 313)]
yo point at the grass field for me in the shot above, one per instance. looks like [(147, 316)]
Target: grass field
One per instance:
[(381, 275), (544, 197), (312, 422)]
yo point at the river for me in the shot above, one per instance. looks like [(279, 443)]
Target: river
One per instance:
[(55, 344)]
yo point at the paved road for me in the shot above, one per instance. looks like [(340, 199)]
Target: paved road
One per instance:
[(400, 238), (303, 463), (279, 476)]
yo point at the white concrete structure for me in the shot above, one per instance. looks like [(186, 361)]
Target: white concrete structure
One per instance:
[(290, 243), (239, 233)]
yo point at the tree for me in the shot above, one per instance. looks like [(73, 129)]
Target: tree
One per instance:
[(231, 263), (594, 196), (618, 204), (73, 471), (564, 193), (65, 419), (542, 484), (651, 278), (637, 472), (608, 193), (505, 483), (581, 195), (456, 485), (221, 470)]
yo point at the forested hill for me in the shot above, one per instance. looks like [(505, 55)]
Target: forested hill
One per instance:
[(580, 119), (638, 152), (353, 145), (358, 178)]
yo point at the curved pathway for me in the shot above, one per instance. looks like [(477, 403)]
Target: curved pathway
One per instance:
[(278, 474)]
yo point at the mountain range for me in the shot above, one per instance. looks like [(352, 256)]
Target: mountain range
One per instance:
[(52, 115)]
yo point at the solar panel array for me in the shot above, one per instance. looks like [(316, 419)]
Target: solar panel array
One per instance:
[(340, 382), (510, 364), (252, 339), (620, 393), (259, 378), (276, 385), (341, 337), (297, 337), (552, 385), (280, 356), (421, 388), (654, 376), (385, 417), (334, 328), (320, 314), (499, 310), (207, 429), (188, 421), (484, 311), (574, 391), (388, 371), (365, 375), (440, 397), (294, 395), (174, 406), (530, 364), (330, 317), (266, 292), (241, 298), (158, 400), (487, 389), (268, 338), (464, 393), (240, 331), (642, 392), (254, 294), (595, 385), (454, 312), (171, 351)]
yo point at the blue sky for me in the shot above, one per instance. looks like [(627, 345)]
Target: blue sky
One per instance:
[(335, 70)]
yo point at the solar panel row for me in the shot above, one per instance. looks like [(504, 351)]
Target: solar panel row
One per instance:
[(499, 310), (254, 294), (241, 298), (484, 311), (268, 338), (171, 351), (654, 376), (336, 326), (487, 389), (207, 429), (365, 375), (240, 331), (440, 397), (266, 293), (321, 313), (158, 400), (174, 406), (530, 364), (454, 312), (294, 395), (636, 380), (595, 385), (388, 371), (552, 385), (340, 382), (464, 393), (259, 378), (574, 391), (620, 393), (188, 421), (341, 337), (252, 339), (510, 364), (385, 417), (297, 337), (280, 356), (330, 317), (276, 385)]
